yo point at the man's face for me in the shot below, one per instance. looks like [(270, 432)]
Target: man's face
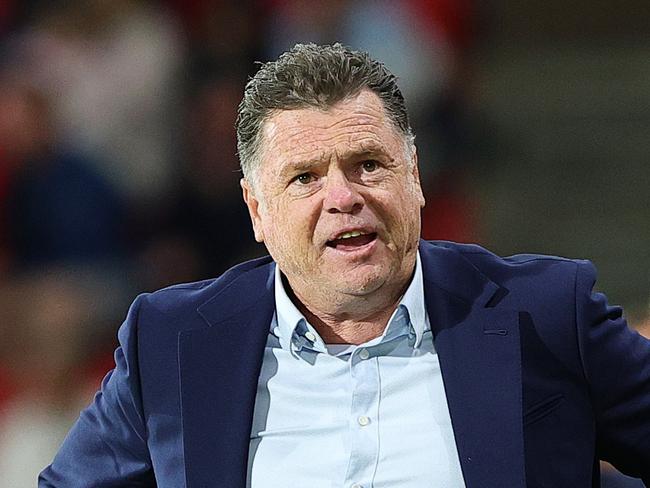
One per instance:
[(337, 203)]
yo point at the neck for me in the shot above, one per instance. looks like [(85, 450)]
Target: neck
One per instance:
[(342, 330), (350, 320)]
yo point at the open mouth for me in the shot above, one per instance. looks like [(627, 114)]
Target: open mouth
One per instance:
[(350, 241)]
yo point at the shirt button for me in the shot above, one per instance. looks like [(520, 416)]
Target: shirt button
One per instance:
[(309, 335), (364, 354), (363, 421)]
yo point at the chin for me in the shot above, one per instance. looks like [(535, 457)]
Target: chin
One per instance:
[(360, 282)]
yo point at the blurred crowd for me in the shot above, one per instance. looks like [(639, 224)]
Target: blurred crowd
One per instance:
[(119, 173)]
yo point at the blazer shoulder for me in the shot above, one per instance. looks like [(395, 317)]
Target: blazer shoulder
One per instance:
[(534, 282), (495, 266)]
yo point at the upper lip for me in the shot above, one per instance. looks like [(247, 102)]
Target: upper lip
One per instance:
[(364, 230)]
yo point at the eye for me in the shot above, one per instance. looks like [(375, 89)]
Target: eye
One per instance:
[(369, 166), (304, 178)]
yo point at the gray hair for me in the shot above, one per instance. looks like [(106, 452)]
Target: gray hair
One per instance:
[(313, 76)]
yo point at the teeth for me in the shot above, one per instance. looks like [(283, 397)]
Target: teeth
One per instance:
[(347, 235)]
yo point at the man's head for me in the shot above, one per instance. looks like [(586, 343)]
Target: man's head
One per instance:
[(313, 76), (330, 174)]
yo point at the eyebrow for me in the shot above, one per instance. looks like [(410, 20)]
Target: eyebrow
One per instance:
[(367, 149), (304, 166), (291, 168)]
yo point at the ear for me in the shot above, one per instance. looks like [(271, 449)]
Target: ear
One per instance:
[(253, 205), (415, 172)]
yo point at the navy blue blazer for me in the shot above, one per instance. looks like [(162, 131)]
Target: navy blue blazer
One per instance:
[(542, 377)]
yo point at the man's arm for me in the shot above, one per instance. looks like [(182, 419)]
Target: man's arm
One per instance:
[(616, 362), (107, 446)]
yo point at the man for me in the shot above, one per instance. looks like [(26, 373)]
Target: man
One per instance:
[(357, 355)]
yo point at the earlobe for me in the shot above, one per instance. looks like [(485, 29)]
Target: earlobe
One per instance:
[(253, 205)]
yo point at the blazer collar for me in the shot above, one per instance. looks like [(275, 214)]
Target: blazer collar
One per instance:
[(243, 295), (453, 281)]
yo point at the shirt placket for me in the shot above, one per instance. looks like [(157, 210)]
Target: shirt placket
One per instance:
[(364, 420)]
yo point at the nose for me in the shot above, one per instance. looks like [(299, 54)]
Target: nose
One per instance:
[(340, 195)]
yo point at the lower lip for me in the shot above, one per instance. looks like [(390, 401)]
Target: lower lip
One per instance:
[(355, 251)]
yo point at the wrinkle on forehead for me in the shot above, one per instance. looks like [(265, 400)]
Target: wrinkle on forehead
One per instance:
[(352, 126), (290, 127)]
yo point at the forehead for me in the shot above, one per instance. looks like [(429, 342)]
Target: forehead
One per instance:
[(352, 125)]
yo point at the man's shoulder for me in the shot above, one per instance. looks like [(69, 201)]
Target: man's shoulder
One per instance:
[(531, 279), (486, 260), (548, 289), (243, 281)]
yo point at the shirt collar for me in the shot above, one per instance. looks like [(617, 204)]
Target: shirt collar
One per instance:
[(290, 326), (294, 332)]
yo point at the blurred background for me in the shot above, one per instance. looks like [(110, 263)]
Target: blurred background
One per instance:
[(118, 170)]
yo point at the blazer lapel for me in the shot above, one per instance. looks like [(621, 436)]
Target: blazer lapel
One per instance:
[(219, 369), (479, 352)]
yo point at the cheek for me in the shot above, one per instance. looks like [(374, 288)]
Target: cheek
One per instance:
[(401, 215), (289, 229)]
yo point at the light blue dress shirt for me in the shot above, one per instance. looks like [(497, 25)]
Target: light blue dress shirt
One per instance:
[(372, 415)]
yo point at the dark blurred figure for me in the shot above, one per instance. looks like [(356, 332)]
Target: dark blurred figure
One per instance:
[(210, 209), (208, 215), (202, 228), (113, 71), (56, 208)]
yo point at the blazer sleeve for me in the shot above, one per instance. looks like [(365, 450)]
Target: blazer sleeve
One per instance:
[(107, 446), (616, 361)]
